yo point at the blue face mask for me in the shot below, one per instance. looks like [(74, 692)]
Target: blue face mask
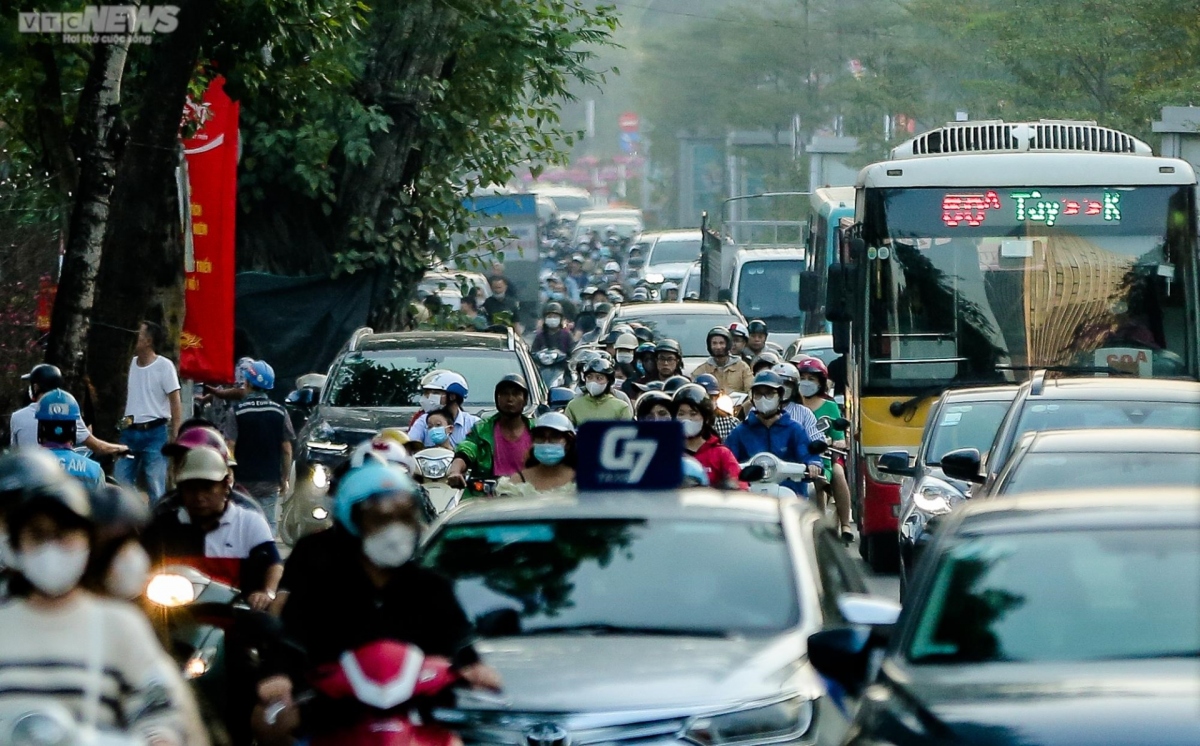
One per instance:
[(555, 295), (438, 436), (549, 454)]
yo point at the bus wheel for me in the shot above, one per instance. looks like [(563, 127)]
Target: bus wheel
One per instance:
[(882, 552)]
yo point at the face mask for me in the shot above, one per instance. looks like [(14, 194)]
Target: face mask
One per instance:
[(766, 405), (431, 403), (555, 295), (595, 388), (553, 322), (128, 572), (437, 436), (549, 454), (54, 568), (809, 388), (692, 428), (624, 358), (391, 547), (787, 393)]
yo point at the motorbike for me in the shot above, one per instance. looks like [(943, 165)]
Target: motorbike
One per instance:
[(394, 685), (553, 368), (53, 723), (309, 509), (433, 468), (765, 472)]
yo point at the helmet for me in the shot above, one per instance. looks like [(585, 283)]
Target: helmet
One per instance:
[(811, 365), (787, 372), (199, 437), (645, 348), (118, 509), (644, 333), (46, 377), (552, 307), (692, 295), (615, 295), (626, 341), (203, 464), (612, 267), (641, 295), (600, 363), (692, 393), (396, 435), (674, 383), (385, 451), (25, 471), (694, 474), (260, 375), (556, 421), (428, 379), (589, 290), (757, 326), (451, 383), (612, 337), (623, 328), (58, 406), (738, 330), (513, 379), (365, 482), (65, 497), (768, 378), (710, 383), (648, 400), (610, 229), (719, 331), (560, 397), (603, 309), (668, 286), (765, 358), (669, 345)]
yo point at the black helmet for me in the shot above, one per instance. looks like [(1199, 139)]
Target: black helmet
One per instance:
[(552, 307), (559, 397), (695, 395), (769, 378), (603, 309), (644, 334), (719, 331), (601, 362), (647, 401), (513, 379), (766, 358), (65, 499), (45, 376), (612, 337), (645, 348), (757, 326), (669, 345), (118, 509), (674, 383), (649, 386), (25, 471)]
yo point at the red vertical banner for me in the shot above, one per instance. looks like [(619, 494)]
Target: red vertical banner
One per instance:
[(206, 345)]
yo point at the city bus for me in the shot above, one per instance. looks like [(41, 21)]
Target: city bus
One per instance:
[(831, 215), (982, 251)]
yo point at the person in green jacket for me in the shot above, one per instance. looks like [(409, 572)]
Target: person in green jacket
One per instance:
[(598, 403), (499, 445)]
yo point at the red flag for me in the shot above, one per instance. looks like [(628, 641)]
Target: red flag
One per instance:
[(206, 345)]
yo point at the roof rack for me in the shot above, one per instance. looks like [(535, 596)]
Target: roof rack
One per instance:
[(357, 336)]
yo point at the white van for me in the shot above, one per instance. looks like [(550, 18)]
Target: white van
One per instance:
[(765, 284)]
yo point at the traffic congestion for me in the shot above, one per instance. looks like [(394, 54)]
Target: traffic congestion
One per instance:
[(651, 486)]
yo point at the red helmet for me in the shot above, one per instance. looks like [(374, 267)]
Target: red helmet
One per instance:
[(810, 364)]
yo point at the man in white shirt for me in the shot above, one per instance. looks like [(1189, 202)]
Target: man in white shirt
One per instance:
[(22, 426), (153, 411)]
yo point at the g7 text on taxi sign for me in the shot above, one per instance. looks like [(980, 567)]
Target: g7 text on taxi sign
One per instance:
[(634, 456)]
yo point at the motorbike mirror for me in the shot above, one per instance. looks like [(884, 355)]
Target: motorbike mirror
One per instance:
[(499, 623), (817, 447), (963, 464), (752, 473), (841, 423), (896, 462), (842, 655)]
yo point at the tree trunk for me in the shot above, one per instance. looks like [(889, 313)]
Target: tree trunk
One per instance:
[(98, 110), (141, 274), (51, 120)]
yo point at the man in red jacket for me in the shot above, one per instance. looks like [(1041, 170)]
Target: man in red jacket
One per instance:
[(694, 409)]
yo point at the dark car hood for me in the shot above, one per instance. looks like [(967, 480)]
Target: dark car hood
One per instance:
[(1109, 702)]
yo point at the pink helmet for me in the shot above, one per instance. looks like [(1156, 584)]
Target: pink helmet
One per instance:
[(810, 364), (199, 437)]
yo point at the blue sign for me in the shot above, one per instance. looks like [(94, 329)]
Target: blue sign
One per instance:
[(629, 141), (503, 205), (629, 456)]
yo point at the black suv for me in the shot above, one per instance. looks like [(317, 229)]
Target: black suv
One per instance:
[(375, 382)]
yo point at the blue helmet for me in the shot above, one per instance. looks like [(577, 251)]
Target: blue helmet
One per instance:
[(710, 383), (365, 482), (57, 406), (694, 474), (260, 375)]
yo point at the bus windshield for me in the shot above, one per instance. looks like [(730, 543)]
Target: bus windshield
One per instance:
[(977, 285)]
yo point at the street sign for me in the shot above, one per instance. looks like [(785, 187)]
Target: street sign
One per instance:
[(629, 456), (629, 142), (629, 122)]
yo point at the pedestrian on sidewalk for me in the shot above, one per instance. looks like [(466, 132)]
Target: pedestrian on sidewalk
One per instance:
[(153, 412)]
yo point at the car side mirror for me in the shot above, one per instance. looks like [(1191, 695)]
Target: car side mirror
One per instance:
[(896, 462), (842, 655), (752, 473), (963, 464)]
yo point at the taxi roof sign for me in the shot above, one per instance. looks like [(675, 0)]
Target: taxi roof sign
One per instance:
[(620, 455)]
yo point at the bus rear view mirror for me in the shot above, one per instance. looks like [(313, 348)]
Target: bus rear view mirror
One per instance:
[(810, 292), (841, 337), (839, 292)]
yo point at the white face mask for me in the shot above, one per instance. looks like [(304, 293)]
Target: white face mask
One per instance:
[(809, 388), (553, 322), (595, 388), (431, 402), (54, 568), (625, 358), (766, 405), (128, 572), (692, 428), (391, 547), (787, 393)]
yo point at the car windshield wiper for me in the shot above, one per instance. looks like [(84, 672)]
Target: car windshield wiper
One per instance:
[(622, 629)]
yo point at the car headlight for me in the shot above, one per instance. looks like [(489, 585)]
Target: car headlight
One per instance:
[(170, 590), (320, 476), (320, 513), (932, 496), (774, 722)]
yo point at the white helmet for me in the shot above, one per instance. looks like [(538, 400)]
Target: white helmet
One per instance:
[(612, 267), (385, 450), (450, 382), (787, 372), (554, 421)]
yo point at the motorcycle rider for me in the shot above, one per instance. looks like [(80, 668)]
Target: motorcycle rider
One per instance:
[(644, 357), (22, 425), (612, 276), (119, 565), (57, 414), (757, 343), (354, 584), (695, 412), (215, 534), (599, 403), (723, 420), (447, 390), (20, 471), (792, 405), (731, 372), (63, 646), (627, 368), (669, 292), (738, 339), (576, 279), (551, 465), (668, 359), (768, 428), (813, 392), (499, 445), (655, 406), (552, 334)]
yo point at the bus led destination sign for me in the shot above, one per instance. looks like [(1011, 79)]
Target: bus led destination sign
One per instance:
[(1031, 206)]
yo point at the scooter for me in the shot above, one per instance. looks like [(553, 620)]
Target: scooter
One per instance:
[(552, 366), (433, 469), (394, 685), (765, 472)]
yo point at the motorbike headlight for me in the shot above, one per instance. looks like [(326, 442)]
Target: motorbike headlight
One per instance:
[(320, 477), (774, 722), (42, 728), (170, 590), (769, 467), (320, 513), (933, 497), (199, 663), (434, 468)]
